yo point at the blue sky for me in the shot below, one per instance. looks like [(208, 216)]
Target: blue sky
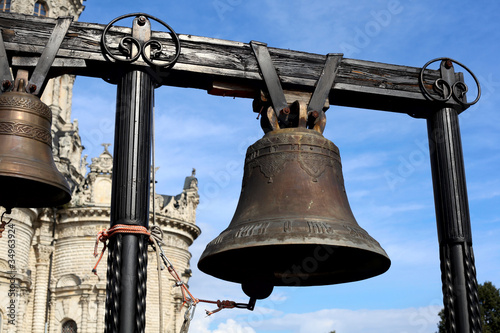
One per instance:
[(211, 134)]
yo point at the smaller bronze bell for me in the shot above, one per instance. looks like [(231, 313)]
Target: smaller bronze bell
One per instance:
[(28, 175), (293, 225)]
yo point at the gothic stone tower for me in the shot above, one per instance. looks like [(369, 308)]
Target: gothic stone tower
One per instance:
[(46, 283)]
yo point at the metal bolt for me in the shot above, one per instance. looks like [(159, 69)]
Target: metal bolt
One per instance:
[(32, 88), (141, 20), (285, 111), (6, 84), (448, 64), (315, 114)]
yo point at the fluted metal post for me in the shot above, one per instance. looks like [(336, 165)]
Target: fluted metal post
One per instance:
[(127, 259), (458, 271)]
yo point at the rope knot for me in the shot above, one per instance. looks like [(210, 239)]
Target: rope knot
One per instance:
[(104, 235)]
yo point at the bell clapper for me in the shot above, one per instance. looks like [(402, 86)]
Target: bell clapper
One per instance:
[(251, 303), (258, 287)]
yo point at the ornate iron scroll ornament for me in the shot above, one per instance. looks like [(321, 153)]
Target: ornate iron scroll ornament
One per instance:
[(458, 90), (153, 47)]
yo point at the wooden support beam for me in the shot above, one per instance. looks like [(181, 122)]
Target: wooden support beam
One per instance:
[(209, 64)]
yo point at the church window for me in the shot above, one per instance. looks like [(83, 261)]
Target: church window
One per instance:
[(40, 9), (5, 5), (69, 326)]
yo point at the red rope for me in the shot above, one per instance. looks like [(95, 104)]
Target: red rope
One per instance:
[(104, 235), (188, 298)]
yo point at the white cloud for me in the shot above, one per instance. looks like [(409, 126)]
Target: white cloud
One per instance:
[(232, 326), (410, 320)]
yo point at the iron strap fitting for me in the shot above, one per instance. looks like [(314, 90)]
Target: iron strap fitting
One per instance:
[(38, 80), (322, 90), (281, 108), (271, 80), (6, 78)]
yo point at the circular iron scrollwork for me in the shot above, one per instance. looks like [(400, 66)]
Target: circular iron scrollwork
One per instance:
[(457, 90), (153, 47)]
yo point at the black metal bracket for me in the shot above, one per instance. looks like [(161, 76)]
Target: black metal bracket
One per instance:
[(322, 90), (271, 79), (447, 86), (151, 50), (38, 78), (325, 82)]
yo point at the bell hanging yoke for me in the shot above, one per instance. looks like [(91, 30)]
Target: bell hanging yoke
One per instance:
[(28, 174), (293, 225)]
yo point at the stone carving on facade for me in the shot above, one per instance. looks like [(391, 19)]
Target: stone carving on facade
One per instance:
[(182, 206), (83, 165), (104, 163), (92, 311), (43, 253), (65, 146), (81, 231), (67, 152), (69, 280)]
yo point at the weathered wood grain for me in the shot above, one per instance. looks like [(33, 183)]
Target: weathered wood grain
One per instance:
[(204, 61)]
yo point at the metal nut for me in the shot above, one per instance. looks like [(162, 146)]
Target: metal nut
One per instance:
[(141, 20), (285, 111)]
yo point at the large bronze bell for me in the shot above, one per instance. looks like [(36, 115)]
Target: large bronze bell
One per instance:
[(28, 174), (293, 225)]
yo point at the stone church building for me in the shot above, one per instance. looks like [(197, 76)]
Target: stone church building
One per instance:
[(51, 288)]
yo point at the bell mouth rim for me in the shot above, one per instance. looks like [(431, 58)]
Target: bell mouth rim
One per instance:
[(42, 186), (365, 264), (55, 194)]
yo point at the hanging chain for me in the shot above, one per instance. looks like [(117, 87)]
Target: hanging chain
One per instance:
[(4, 223)]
